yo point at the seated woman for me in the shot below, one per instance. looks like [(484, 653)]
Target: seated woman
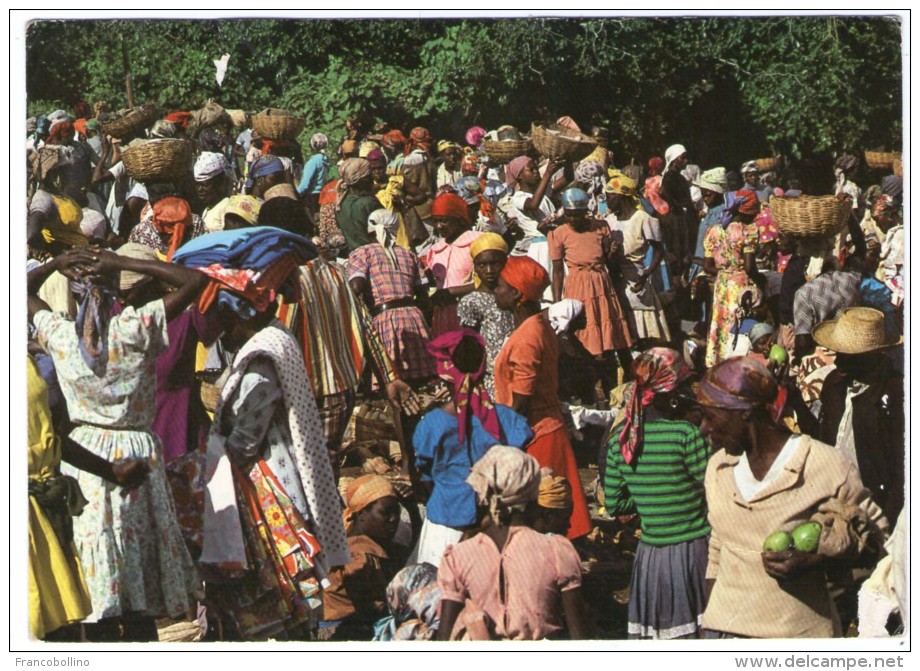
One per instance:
[(451, 439), (356, 597), (509, 582)]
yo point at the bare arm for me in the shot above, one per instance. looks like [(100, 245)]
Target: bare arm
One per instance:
[(362, 288), (450, 611), (129, 474), (533, 203), (574, 609), (558, 279), (520, 403)]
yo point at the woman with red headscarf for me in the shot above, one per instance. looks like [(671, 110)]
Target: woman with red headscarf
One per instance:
[(731, 257), (527, 377), (167, 225), (448, 261)]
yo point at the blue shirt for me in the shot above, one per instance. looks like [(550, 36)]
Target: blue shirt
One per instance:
[(442, 460), (314, 174)]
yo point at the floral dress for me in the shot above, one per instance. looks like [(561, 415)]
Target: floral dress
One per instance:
[(727, 245), (131, 550), (479, 311)]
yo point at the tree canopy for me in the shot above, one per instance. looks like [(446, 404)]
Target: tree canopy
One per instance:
[(728, 88)]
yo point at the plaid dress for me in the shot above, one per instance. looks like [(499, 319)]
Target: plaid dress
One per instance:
[(403, 330)]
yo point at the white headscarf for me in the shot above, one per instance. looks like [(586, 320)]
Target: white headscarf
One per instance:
[(93, 224), (384, 224), (319, 142), (562, 313), (673, 152), (211, 164)]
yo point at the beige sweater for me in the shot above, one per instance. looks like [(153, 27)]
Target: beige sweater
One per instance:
[(745, 601)]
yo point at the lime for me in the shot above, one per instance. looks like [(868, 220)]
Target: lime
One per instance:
[(805, 537), (778, 541)]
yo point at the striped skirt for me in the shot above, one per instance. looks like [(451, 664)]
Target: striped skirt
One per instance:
[(668, 590)]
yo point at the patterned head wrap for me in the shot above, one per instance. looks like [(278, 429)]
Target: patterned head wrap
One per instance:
[(384, 224), (657, 371), (655, 166), (361, 493), (884, 204), (163, 129), (353, 170), (61, 133), (739, 202), (469, 188), (173, 216), (444, 145), (245, 207), (474, 136), (514, 170), (470, 396), (749, 167), (212, 164), (767, 230), (555, 492), (739, 383), (623, 185), (450, 205), (419, 138), (526, 276), (393, 138), (319, 142), (506, 479), (470, 164), (413, 597), (97, 297)]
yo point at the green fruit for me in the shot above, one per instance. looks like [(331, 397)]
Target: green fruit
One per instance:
[(778, 541), (778, 354), (805, 537)]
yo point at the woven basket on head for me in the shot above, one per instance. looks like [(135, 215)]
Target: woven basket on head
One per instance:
[(160, 160), (132, 121), (559, 143), (810, 216), (277, 124), (505, 151), (766, 164), (882, 160)]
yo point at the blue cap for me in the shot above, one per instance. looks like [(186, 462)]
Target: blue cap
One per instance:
[(574, 199)]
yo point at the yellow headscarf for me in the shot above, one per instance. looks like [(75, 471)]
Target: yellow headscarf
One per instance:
[(620, 183), (485, 243), (363, 492), (555, 492)]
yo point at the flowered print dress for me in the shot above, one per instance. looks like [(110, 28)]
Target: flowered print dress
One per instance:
[(131, 550), (727, 245), (479, 311)]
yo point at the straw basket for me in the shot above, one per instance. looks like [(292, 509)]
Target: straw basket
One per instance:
[(559, 143), (132, 121), (277, 124), (810, 216), (882, 160), (766, 164), (161, 160), (505, 151)]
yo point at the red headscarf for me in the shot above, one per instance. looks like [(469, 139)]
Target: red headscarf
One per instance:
[(656, 371), (450, 205), (80, 126), (173, 216), (746, 202), (419, 138), (466, 388), (527, 276), (61, 133), (179, 118), (393, 137), (655, 166)]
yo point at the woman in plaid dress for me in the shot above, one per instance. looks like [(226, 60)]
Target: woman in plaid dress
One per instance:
[(387, 277)]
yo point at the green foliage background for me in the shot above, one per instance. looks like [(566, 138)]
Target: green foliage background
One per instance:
[(727, 88)]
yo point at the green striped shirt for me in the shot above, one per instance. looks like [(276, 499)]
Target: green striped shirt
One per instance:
[(664, 484)]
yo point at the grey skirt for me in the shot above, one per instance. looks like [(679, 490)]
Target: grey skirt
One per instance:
[(668, 590)]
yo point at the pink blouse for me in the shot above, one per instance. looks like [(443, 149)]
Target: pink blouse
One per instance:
[(451, 263)]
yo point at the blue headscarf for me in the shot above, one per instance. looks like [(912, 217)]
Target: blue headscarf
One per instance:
[(575, 199)]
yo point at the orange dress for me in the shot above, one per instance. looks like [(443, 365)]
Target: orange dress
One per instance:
[(528, 365), (588, 281)]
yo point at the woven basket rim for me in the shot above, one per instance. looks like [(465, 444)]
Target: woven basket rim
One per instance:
[(138, 116), (158, 159), (572, 143), (810, 216)]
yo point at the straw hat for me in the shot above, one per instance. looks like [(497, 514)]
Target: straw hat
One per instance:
[(858, 331)]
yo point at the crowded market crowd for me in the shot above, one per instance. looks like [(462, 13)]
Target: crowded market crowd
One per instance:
[(349, 390)]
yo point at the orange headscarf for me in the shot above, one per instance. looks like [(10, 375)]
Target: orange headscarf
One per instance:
[(361, 493), (172, 215), (527, 276)]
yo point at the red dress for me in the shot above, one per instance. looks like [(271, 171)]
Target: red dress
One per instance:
[(529, 365)]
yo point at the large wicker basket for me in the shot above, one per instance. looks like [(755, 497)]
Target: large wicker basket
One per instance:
[(559, 143), (505, 151), (130, 122), (882, 160), (810, 216), (766, 164), (160, 160), (277, 124)]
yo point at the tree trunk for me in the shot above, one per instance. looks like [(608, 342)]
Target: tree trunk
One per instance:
[(129, 88)]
